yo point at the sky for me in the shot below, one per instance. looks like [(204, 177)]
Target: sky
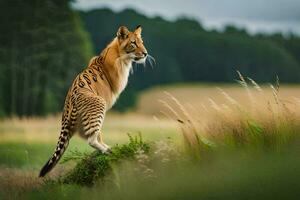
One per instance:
[(254, 15)]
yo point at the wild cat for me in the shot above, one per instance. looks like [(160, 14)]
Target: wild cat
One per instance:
[(95, 90)]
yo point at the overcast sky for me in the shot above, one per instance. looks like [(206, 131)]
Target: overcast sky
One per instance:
[(255, 15)]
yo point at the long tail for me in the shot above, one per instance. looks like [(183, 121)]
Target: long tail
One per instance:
[(61, 146)]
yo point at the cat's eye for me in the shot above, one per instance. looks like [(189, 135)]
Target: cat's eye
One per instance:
[(133, 43)]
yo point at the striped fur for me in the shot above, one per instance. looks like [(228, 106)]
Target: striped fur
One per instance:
[(95, 90)]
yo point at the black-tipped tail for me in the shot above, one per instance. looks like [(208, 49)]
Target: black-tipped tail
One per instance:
[(59, 150), (47, 167)]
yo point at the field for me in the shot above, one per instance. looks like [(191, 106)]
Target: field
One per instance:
[(206, 141)]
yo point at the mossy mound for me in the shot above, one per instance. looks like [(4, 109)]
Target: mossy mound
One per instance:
[(93, 167)]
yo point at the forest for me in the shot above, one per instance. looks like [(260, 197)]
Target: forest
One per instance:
[(44, 44)]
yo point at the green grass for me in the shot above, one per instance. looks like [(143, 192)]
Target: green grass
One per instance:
[(33, 155), (95, 166), (22, 155), (221, 175), (167, 171)]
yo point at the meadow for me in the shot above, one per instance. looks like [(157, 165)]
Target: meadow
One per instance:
[(206, 141)]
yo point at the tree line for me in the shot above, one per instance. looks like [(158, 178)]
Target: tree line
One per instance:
[(44, 44), (186, 52)]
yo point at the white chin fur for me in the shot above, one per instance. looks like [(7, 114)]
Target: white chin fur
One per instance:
[(140, 61)]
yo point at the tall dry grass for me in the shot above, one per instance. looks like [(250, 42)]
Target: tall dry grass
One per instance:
[(263, 122)]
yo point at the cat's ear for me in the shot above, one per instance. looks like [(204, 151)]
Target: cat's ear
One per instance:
[(122, 33), (138, 30)]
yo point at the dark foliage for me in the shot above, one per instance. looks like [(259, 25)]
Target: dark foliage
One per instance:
[(185, 52), (43, 46)]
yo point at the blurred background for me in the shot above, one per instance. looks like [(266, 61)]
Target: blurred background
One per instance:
[(198, 45), (44, 44)]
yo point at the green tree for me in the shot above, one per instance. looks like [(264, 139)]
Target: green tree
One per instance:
[(43, 46)]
